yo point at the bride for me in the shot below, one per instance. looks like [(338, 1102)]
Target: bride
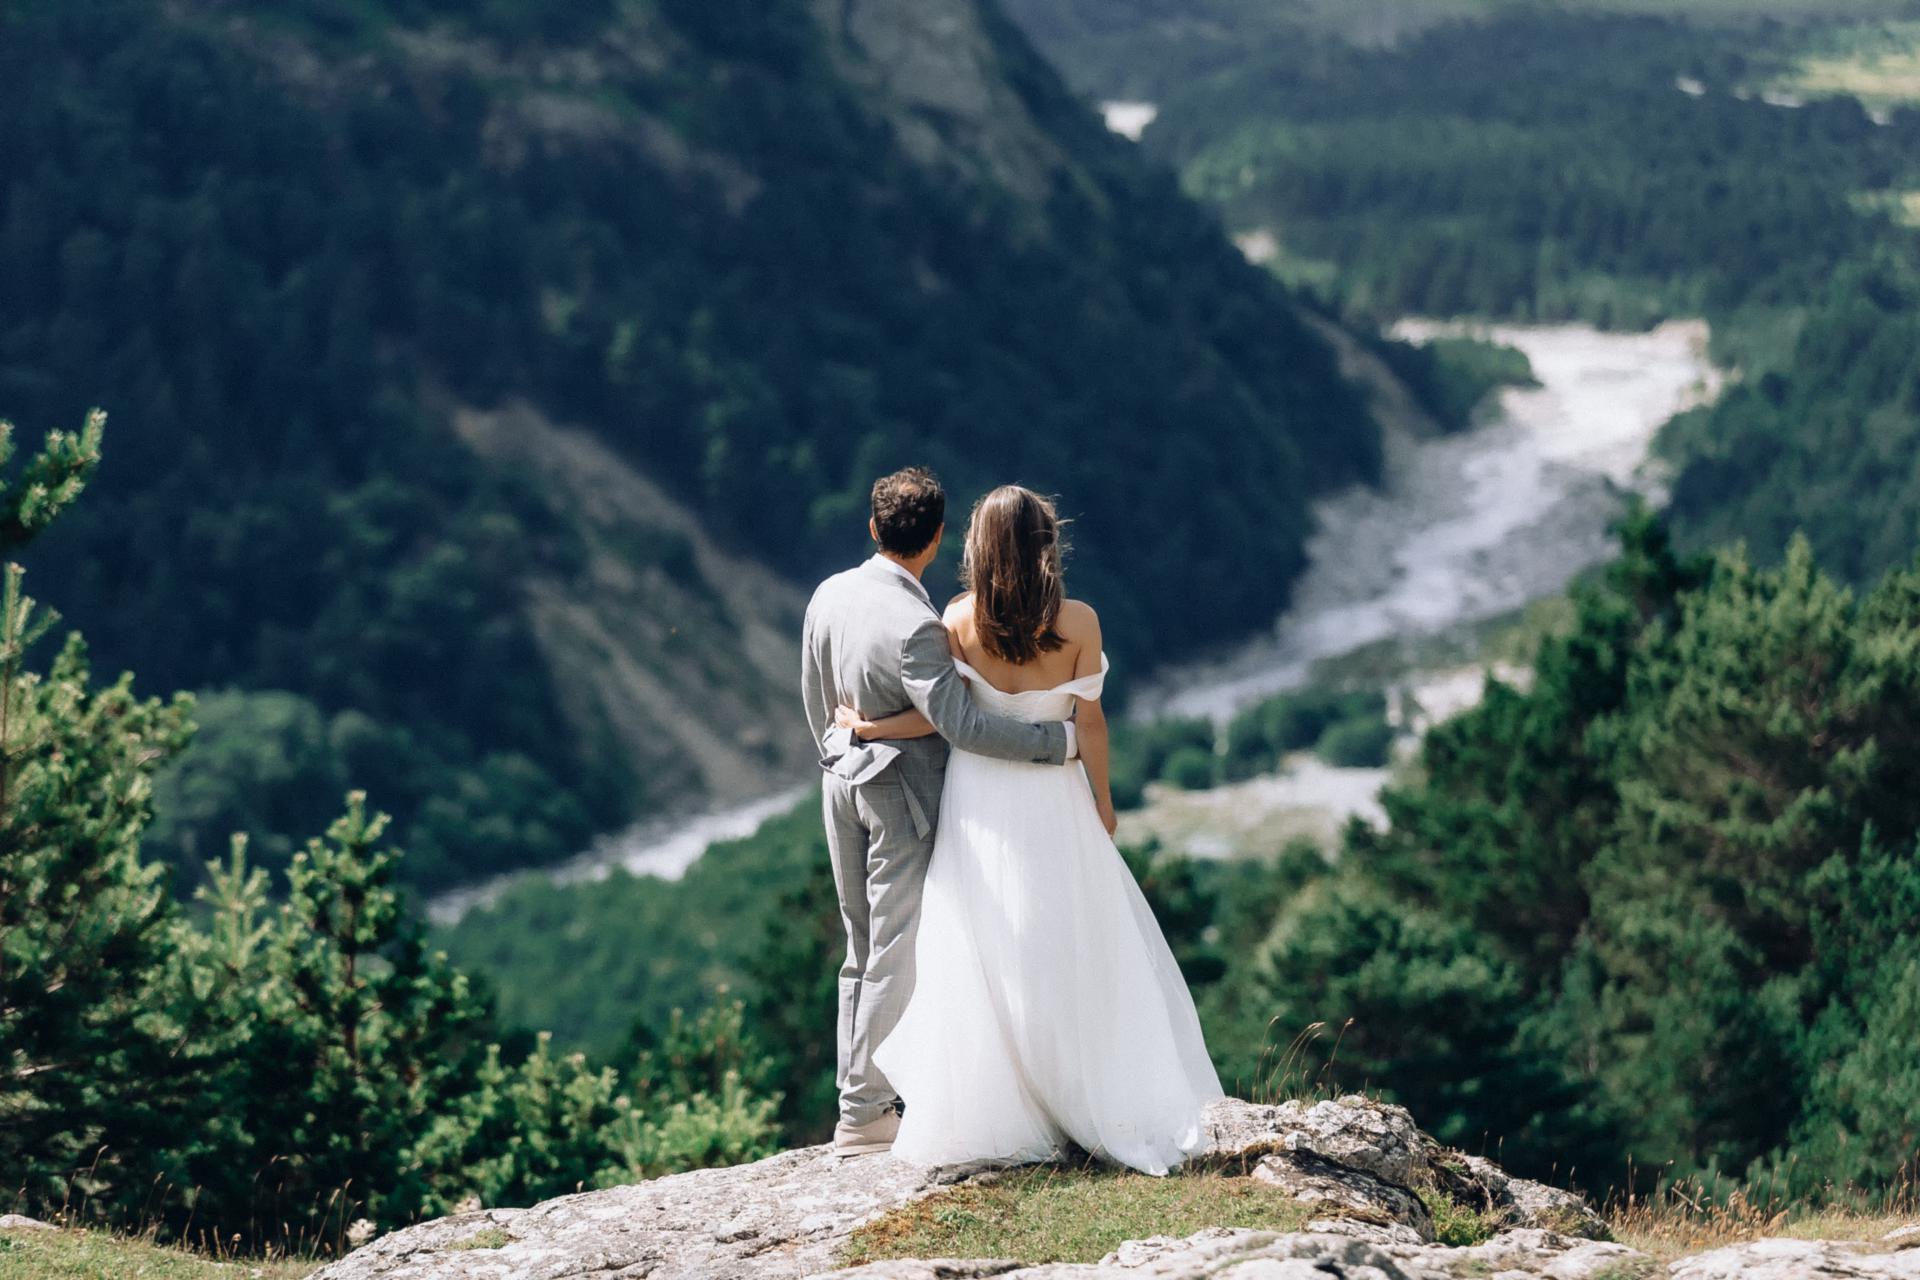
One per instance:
[(1048, 1010)]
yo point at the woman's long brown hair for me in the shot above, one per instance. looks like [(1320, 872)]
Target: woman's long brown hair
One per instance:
[(1012, 567)]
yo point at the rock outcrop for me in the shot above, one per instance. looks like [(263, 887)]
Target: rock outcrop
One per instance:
[(1361, 1166), (1263, 1255), (1369, 1177)]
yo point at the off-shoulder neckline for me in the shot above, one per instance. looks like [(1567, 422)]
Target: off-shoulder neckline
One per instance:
[(970, 671)]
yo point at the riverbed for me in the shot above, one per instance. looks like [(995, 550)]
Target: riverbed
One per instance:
[(1467, 530), (1471, 526)]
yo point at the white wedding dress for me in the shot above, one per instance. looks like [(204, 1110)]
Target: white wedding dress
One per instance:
[(1047, 1009)]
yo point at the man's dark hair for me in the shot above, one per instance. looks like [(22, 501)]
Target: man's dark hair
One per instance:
[(908, 509)]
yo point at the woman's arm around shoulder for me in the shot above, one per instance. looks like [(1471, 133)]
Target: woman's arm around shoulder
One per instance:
[(1079, 626)]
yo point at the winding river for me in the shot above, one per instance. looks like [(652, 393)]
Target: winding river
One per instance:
[(1472, 526)]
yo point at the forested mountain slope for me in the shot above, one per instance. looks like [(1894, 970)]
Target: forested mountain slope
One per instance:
[(465, 360), (1588, 162)]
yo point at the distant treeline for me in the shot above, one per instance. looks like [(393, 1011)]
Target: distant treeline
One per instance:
[(1543, 166)]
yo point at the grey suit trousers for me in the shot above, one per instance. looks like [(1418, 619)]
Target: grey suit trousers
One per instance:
[(879, 865)]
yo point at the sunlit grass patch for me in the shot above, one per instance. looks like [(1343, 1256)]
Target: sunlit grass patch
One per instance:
[(1877, 63), (489, 1238), (1902, 207), (34, 1254), (1052, 1214)]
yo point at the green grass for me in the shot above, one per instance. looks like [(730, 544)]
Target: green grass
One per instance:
[(1070, 1215), (95, 1255), (1457, 1225)]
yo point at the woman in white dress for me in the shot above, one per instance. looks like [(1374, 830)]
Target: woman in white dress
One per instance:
[(1047, 1009)]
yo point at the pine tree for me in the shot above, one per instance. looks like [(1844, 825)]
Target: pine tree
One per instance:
[(345, 1042), (92, 1078)]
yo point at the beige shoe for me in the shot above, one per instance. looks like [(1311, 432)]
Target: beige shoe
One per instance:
[(866, 1139)]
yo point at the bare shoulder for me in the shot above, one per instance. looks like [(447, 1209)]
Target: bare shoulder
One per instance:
[(1078, 623), (959, 611)]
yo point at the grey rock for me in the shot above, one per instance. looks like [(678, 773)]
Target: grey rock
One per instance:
[(1798, 1259), (929, 1269), (1907, 1237), (1535, 1252), (1358, 1132), (785, 1216), (1371, 1232), (1792, 1259), (1250, 1254), (937, 73), (20, 1222), (1523, 1203), (1134, 1254), (1222, 1254), (1314, 1180), (1357, 1162)]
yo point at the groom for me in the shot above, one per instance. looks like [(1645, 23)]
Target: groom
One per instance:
[(874, 641)]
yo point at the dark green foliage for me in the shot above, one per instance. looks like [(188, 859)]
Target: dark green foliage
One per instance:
[(556, 1124), (1415, 1001), (793, 978), (1189, 768), (1452, 377), (1824, 440), (1357, 744), (269, 1074), (343, 1041), (1260, 735), (85, 1056), (1540, 165), (588, 962), (1143, 753), (49, 482), (1861, 1124), (1648, 907), (730, 271), (1185, 901)]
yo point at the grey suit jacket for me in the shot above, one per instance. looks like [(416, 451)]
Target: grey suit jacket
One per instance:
[(875, 642)]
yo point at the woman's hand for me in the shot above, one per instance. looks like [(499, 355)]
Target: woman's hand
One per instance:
[(848, 718), (1108, 818)]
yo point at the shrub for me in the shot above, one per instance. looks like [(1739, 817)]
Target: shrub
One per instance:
[(1190, 769), (1259, 736), (1357, 744)]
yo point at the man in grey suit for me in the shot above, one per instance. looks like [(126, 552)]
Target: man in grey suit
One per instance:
[(874, 641)]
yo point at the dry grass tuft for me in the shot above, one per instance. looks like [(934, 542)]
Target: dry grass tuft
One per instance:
[(1690, 1218)]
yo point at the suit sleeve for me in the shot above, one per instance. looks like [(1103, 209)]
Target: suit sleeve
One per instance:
[(934, 686), (812, 690)]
